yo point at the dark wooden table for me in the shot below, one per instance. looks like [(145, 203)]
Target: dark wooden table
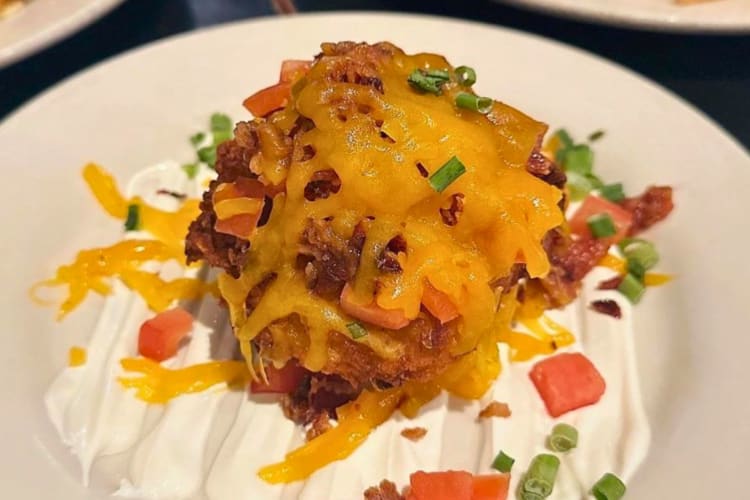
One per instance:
[(712, 72)]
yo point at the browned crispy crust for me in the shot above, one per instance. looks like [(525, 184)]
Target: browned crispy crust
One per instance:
[(386, 490)]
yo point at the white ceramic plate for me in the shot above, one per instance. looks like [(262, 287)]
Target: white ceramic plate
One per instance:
[(41, 23), (729, 16), (138, 109)]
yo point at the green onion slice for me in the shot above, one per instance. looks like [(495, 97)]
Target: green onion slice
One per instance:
[(473, 102), (208, 155), (221, 123), (540, 479), (133, 219), (466, 76), (438, 74), (595, 136), (503, 463), (579, 185), (564, 438), (222, 136), (197, 138), (601, 225), (612, 192), (420, 80), (526, 495), (578, 158), (356, 330), (632, 288), (190, 169), (640, 252), (609, 487), (445, 175)]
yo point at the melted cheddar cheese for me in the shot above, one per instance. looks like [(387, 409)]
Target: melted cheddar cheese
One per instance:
[(376, 143)]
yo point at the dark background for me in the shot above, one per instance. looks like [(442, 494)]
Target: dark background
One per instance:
[(712, 72)]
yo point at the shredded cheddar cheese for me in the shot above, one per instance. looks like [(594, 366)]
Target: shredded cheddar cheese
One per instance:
[(76, 356)]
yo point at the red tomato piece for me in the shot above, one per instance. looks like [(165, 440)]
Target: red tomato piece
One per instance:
[(393, 319), (293, 69), (159, 337), (280, 381), (491, 487), (449, 485), (269, 99), (594, 205), (566, 382), (439, 304)]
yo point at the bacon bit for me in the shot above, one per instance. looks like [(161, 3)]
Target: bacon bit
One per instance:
[(388, 259), (451, 214), (654, 205), (386, 490), (608, 307), (414, 433), (611, 283), (319, 425), (496, 409), (173, 194), (422, 170), (322, 184)]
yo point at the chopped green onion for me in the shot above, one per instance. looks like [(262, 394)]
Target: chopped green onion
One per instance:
[(133, 219), (579, 185), (220, 123), (503, 463), (564, 438), (474, 102), (420, 80), (609, 487), (438, 74), (526, 495), (564, 137), (595, 136), (540, 479), (612, 192), (641, 252), (578, 158), (208, 155), (222, 136), (445, 175), (356, 330), (466, 76), (632, 288), (197, 138), (190, 169), (601, 225)]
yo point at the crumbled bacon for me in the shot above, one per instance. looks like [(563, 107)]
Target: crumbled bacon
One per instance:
[(611, 283), (320, 424), (496, 409), (386, 490), (414, 433), (323, 184), (173, 194), (451, 214), (256, 293), (608, 307), (388, 258), (649, 208)]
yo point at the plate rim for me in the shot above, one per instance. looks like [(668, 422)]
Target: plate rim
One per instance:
[(640, 22), (54, 32)]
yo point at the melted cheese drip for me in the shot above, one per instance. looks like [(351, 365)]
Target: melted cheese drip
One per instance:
[(76, 356), (506, 213), (91, 268), (160, 384)]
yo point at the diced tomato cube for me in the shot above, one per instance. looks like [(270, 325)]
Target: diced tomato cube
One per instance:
[(292, 69), (566, 382), (280, 380), (594, 205), (159, 337), (449, 485), (439, 304), (393, 319), (491, 487), (269, 99)]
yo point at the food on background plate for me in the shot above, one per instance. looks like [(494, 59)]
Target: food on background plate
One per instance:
[(378, 231)]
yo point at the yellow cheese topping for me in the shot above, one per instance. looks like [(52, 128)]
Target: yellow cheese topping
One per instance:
[(159, 384), (76, 356), (92, 268), (621, 267), (376, 143)]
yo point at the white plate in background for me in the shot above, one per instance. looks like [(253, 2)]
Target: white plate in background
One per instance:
[(138, 109), (40, 23), (715, 16)]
